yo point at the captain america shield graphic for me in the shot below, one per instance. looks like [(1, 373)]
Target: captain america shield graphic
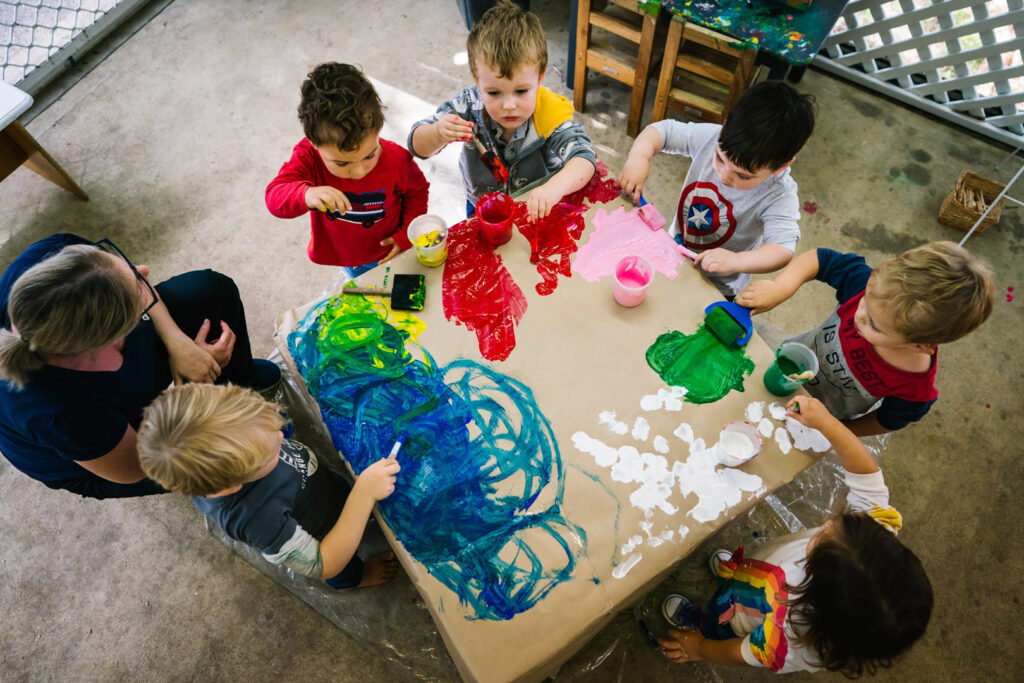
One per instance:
[(704, 217)]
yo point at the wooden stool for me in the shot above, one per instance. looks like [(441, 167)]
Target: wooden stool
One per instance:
[(17, 146), (625, 55), (713, 72)]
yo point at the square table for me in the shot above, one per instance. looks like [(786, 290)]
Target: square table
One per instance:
[(581, 356)]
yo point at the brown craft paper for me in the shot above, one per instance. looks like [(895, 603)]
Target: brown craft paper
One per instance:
[(581, 354)]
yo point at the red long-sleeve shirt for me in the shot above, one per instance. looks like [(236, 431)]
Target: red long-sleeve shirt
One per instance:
[(384, 202)]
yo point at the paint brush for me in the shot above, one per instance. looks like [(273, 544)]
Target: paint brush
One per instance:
[(408, 292), (490, 159), (397, 447)]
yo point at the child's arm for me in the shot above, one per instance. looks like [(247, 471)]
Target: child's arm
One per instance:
[(765, 259), (292, 192), (339, 545), (638, 162), (688, 645), (428, 139), (866, 425), (853, 455), (576, 173), (764, 295)]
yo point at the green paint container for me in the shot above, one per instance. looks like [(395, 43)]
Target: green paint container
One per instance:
[(792, 358)]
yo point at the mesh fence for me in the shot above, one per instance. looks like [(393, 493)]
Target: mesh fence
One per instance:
[(32, 31)]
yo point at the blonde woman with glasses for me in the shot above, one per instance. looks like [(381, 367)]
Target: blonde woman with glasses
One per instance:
[(86, 343)]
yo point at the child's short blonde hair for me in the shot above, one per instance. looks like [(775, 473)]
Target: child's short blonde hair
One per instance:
[(199, 439), (935, 293), (506, 38)]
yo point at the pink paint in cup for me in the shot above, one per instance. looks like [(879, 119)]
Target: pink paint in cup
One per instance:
[(633, 275), (494, 211)]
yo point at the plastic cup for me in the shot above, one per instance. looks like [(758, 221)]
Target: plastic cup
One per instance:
[(633, 275), (792, 358), (738, 443), (494, 211), (420, 231)]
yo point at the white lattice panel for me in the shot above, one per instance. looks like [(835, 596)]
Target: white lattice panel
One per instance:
[(963, 55)]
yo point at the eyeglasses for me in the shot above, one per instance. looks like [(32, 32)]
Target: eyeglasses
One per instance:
[(111, 248)]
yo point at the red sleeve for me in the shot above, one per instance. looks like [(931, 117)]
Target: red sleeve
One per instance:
[(286, 194), (414, 189)]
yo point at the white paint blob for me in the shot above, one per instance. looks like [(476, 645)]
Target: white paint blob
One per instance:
[(624, 567), (777, 411), (669, 399), (806, 438), (782, 439), (460, 58), (633, 542), (754, 412), (641, 429), (765, 427), (608, 419), (604, 456), (684, 432), (661, 444)]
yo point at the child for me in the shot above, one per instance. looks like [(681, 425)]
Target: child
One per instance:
[(364, 190), (738, 207), (528, 126), (881, 342), (847, 596), (223, 446)]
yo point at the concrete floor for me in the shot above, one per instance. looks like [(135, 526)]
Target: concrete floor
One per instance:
[(175, 135)]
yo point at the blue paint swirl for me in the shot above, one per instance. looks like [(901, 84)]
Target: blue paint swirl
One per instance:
[(478, 498)]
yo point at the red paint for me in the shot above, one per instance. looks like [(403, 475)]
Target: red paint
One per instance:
[(495, 212), (988, 405), (479, 292), (1009, 289), (1009, 297), (555, 238), (810, 208)]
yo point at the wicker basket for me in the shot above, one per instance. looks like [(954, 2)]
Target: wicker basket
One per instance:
[(955, 213)]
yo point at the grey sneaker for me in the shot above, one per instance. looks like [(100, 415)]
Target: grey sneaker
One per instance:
[(680, 612), (718, 557)]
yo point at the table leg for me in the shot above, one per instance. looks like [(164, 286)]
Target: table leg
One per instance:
[(36, 158)]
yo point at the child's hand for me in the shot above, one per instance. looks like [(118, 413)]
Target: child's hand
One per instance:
[(808, 411), (634, 175), (395, 248), (378, 480), (541, 200), (761, 296), (721, 261), (683, 647), (452, 128), (326, 198)]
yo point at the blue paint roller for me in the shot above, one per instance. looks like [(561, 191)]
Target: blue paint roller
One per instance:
[(729, 322)]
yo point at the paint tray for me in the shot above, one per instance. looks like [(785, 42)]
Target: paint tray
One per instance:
[(729, 322)]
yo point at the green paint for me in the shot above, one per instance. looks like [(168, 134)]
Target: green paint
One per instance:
[(787, 366), (706, 367)]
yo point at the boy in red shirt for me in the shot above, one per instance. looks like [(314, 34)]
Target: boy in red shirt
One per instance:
[(364, 190)]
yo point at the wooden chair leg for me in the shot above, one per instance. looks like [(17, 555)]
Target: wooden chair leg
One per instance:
[(668, 68), (579, 84), (643, 68), (39, 160), (740, 78)]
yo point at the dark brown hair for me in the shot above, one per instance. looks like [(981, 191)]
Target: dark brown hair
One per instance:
[(865, 599), (339, 106)]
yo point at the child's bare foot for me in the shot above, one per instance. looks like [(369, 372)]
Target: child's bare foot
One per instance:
[(379, 569)]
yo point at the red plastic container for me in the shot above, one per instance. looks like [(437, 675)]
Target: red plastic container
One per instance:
[(494, 211)]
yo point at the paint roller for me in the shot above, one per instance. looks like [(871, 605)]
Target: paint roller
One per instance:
[(653, 219), (408, 292), (729, 322)]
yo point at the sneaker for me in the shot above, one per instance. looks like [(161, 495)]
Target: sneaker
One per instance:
[(680, 612), (718, 557)]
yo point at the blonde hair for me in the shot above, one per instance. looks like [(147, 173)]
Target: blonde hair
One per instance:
[(74, 301), (935, 293), (505, 38)]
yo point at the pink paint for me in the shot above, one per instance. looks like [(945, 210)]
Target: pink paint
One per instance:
[(810, 207), (494, 211), (633, 274), (620, 234)]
